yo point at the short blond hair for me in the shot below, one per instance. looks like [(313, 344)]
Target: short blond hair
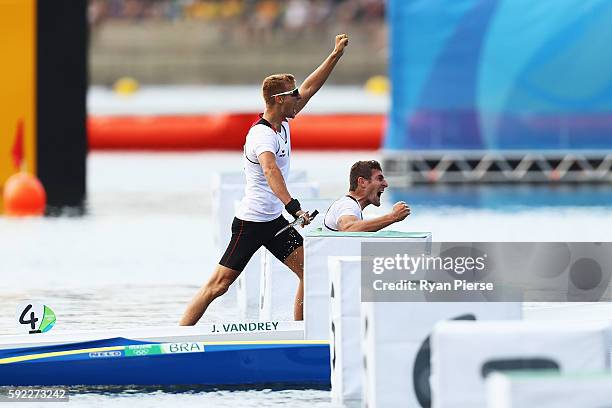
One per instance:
[(274, 84)]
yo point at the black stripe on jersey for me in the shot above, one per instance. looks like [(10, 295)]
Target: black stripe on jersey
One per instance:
[(325, 216), (247, 157), (359, 205), (352, 198), (264, 122)]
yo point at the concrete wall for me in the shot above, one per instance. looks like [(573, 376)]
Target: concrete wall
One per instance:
[(191, 52)]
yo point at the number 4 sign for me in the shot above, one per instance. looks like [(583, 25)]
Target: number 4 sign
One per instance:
[(34, 317)]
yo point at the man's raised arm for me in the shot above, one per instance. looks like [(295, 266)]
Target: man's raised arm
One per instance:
[(315, 81)]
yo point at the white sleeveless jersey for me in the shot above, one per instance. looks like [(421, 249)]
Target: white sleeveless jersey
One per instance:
[(346, 205), (259, 202)]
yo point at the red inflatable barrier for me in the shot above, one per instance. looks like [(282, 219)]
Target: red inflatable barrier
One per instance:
[(227, 132), (337, 132)]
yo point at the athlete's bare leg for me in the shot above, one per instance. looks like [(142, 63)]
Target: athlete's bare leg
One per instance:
[(295, 262), (216, 286)]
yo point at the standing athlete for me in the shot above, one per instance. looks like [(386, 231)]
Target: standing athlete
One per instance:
[(366, 184), (266, 163)]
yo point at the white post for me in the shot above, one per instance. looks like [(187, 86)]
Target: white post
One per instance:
[(318, 246), (396, 346), (345, 328), (464, 353), (548, 390)]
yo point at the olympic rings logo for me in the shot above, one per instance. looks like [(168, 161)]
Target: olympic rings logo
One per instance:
[(140, 352)]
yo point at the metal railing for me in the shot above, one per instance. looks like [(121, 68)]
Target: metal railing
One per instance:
[(430, 167)]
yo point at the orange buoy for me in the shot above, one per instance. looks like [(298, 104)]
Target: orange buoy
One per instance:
[(24, 195)]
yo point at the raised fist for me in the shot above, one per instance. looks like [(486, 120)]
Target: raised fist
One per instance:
[(341, 42), (400, 211)]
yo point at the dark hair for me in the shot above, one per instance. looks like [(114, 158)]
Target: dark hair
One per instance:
[(362, 169)]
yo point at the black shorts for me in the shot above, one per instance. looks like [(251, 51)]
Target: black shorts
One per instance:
[(249, 236)]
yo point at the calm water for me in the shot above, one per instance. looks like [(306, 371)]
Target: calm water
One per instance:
[(146, 246)]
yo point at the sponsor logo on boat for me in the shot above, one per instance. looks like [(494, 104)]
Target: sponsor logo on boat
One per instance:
[(140, 350), (103, 354)]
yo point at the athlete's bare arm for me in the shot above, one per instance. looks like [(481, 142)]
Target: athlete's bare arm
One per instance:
[(351, 223), (274, 176), (315, 81), (277, 182)]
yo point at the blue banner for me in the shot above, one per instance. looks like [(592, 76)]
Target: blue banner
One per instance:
[(500, 74)]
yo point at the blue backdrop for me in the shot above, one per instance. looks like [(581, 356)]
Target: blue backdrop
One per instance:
[(500, 74)]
